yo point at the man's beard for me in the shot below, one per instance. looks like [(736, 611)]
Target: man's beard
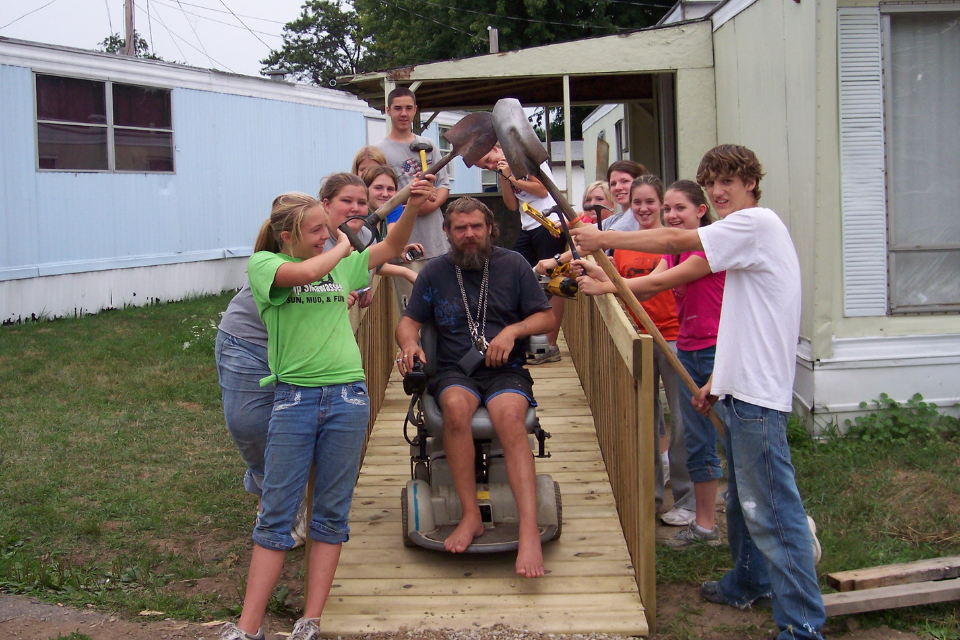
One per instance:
[(471, 260)]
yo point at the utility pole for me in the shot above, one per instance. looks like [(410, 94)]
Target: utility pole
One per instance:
[(130, 46)]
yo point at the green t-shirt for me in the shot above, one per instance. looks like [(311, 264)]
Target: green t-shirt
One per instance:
[(310, 340)]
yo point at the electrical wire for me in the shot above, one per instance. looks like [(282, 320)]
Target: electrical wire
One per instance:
[(184, 41), (420, 15), (226, 24), (109, 19), (28, 13), (245, 25), (195, 34), (519, 19), (150, 25), (242, 15), (182, 54)]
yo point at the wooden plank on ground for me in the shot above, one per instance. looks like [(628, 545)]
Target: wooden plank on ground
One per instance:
[(892, 597), (890, 574)]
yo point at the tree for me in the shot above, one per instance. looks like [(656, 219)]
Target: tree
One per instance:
[(116, 43), (326, 41), (417, 31), (556, 122)]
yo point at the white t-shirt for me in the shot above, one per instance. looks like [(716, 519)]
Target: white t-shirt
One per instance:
[(540, 204), (760, 322)]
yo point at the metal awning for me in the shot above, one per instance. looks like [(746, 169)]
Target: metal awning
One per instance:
[(608, 69)]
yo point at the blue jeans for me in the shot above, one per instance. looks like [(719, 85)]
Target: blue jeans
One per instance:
[(323, 426), (767, 528), (246, 406), (702, 460)]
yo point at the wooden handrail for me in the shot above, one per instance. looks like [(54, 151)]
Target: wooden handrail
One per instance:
[(615, 366)]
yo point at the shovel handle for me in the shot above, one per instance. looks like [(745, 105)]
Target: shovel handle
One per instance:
[(631, 301), (401, 196)]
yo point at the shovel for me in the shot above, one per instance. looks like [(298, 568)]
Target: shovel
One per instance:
[(472, 138), (525, 153)]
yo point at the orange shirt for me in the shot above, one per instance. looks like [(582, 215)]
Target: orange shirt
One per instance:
[(661, 308)]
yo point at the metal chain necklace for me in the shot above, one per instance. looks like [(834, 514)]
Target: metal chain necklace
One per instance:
[(477, 328)]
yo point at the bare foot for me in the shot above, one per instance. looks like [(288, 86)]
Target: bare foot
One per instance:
[(470, 527), (530, 555)]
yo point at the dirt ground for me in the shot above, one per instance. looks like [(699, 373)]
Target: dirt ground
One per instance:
[(682, 614)]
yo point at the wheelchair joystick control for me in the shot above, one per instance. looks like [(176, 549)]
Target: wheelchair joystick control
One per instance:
[(415, 382)]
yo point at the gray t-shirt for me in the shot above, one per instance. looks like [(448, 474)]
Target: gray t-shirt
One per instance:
[(428, 229), (242, 320)]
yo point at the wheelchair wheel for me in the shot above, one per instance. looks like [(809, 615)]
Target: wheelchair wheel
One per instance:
[(556, 493), (407, 542)]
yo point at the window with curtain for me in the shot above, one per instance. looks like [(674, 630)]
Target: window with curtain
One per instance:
[(922, 111), (89, 125)]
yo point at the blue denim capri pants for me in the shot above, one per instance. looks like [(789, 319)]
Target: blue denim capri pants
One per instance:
[(241, 365), (323, 426)]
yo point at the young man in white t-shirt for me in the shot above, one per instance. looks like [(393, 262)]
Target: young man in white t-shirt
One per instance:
[(771, 540)]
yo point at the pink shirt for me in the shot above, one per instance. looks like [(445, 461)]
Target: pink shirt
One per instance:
[(698, 306)]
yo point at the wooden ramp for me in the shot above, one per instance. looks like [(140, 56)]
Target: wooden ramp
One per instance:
[(381, 585)]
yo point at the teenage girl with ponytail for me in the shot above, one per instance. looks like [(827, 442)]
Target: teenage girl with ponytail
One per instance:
[(320, 408)]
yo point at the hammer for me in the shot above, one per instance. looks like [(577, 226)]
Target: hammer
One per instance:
[(422, 147)]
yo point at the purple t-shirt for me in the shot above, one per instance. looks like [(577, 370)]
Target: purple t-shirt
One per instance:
[(698, 306)]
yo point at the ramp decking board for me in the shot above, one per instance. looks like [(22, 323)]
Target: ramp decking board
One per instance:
[(381, 585)]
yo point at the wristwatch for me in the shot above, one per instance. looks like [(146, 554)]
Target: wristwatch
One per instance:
[(557, 258)]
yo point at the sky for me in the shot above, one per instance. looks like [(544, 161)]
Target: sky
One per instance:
[(202, 33)]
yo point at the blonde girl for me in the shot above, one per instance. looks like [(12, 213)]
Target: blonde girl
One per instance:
[(321, 407)]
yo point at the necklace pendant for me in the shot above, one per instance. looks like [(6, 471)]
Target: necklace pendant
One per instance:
[(481, 344)]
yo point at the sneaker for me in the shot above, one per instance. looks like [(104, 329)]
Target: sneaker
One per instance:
[(306, 629), (231, 631), (299, 531), (817, 550), (710, 592), (679, 517), (552, 354), (694, 535)]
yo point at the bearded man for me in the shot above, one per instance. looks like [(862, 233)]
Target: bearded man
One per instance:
[(485, 301)]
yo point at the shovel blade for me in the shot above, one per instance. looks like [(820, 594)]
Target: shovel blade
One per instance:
[(521, 146), (473, 137)]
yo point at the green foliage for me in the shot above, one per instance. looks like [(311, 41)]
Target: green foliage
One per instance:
[(115, 43), (556, 122), (324, 42), (895, 423), (76, 635), (330, 39)]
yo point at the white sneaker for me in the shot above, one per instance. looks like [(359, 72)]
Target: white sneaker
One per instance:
[(306, 629), (817, 550), (679, 517), (231, 631)]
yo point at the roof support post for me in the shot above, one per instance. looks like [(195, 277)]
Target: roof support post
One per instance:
[(568, 147), (388, 86)]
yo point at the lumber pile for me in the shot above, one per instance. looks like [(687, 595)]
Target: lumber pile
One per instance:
[(892, 586)]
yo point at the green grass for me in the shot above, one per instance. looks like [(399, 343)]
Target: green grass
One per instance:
[(117, 475), (874, 504), (120, 487)]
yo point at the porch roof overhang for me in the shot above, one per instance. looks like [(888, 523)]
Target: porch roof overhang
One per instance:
[(606, 69)]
